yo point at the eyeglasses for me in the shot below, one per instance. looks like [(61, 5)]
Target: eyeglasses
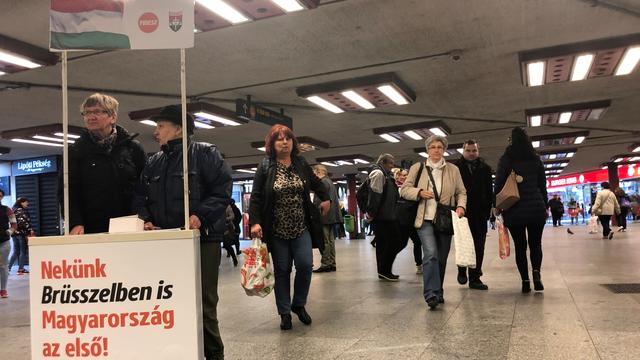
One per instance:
[(94, 112), (436, 147)]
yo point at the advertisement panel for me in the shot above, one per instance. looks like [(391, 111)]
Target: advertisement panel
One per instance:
[(112, 296), (624, 172)]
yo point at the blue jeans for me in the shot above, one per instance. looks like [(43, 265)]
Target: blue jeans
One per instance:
[(435, 250), (5, 247), (285, 252), (20, 252)]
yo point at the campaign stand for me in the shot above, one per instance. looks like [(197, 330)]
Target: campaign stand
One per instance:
[(116, 296)]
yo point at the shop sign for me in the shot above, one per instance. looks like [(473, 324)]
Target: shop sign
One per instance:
[(34, 166), (249, 111), (624, 172)]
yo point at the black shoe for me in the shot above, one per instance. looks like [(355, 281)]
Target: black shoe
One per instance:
[(440, 299), (610, 236), (462, 276), (322, 269), (388, 277), (526, 286), (432, 302), (373, 242), (333, 268), (302, 314), (537, 284), (477, 285), (235, 261), (285, 322)]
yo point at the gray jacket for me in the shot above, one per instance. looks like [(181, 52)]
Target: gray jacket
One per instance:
[(333, 216)]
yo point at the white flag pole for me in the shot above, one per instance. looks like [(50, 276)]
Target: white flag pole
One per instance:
[(185, 155), (65, 148)]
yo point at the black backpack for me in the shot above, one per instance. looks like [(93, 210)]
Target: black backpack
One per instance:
[(362, 195)]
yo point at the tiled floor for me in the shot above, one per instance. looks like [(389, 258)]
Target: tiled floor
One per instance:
[(355, 316)]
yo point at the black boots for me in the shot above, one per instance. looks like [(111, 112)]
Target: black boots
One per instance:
[(462, 275), (285, 322), (537, 284), (526, 286), (302, 314)]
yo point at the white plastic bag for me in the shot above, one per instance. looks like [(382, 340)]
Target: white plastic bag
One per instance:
[(463, 240), (257, 277), (593, 225)]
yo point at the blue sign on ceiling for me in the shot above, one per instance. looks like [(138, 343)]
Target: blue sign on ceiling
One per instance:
[(34, 166)]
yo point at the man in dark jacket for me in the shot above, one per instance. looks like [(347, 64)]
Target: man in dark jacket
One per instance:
[(104, 167), (162, 205), (381, 211), (557, 209), (328, 262), (476, 175)]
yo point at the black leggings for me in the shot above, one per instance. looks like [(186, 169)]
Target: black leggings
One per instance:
[(519, 235), (409, 232)]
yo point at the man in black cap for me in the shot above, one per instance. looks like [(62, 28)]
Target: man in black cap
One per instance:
[(161, 202)]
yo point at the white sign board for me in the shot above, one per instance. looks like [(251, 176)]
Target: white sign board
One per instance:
[(116, 296), (120, 24)]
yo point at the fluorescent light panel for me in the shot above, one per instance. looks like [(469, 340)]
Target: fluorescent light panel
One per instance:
[(552, 156), (565, 117), (629, 61), (535, 71), (148, 122), (217, 118), (581, 67), (325, 104), (262, 148), (438, 131), (48, 138), (579, 140), (201, 125), (73, 136), (35, 142), (327, 163), (636, 149), (393, 94), (288, 5), (224, 10), (412, 134), (2, 73), (536, 144), (389, 138), (536, 120), (246, 171), (356, 98), (595, 114), (360, 161), (423, 154), (17, 60), (570, 155)]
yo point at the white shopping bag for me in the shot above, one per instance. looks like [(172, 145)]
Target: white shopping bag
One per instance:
[(463, 241), (593, 225), (257, 270)]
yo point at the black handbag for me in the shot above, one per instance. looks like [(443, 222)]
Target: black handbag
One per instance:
[(442, 221), (406, 210)]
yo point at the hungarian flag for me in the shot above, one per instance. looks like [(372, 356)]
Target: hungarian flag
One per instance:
[(88, 24)]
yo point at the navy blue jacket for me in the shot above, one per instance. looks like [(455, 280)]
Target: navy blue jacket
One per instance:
[(161, 195)]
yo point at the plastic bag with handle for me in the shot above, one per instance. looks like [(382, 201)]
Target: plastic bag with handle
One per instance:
[(257, 277), (504, 246), (593, 225), (463, 240)]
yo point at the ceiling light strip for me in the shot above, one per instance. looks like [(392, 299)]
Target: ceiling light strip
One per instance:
[(535, 120), (288, 5), (629, 61), (412, 134), (581, 67), (359, 100), (325, 104), (389, 138), (535, 73), (565, 117), (217, 118), (47, 138), (393, 94), (35, 142), (73, 136), (17, 60), (224, 10)]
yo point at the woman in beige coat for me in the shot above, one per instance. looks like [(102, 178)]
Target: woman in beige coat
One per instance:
[(606, 205), (450, 188)]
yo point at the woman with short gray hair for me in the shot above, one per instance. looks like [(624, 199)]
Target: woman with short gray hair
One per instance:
[(439, 180)]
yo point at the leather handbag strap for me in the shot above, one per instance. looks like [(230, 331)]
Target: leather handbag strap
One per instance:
[(435, 191), (415, 182)]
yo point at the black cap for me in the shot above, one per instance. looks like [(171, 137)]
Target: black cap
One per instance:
[(173, 114)]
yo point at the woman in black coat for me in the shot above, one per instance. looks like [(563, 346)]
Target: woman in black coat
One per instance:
[(281, 213), (528, 215)]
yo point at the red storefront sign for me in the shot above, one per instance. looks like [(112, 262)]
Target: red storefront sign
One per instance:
[(624, 172)]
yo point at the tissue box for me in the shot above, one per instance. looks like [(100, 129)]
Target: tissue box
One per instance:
[(125, 224)]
